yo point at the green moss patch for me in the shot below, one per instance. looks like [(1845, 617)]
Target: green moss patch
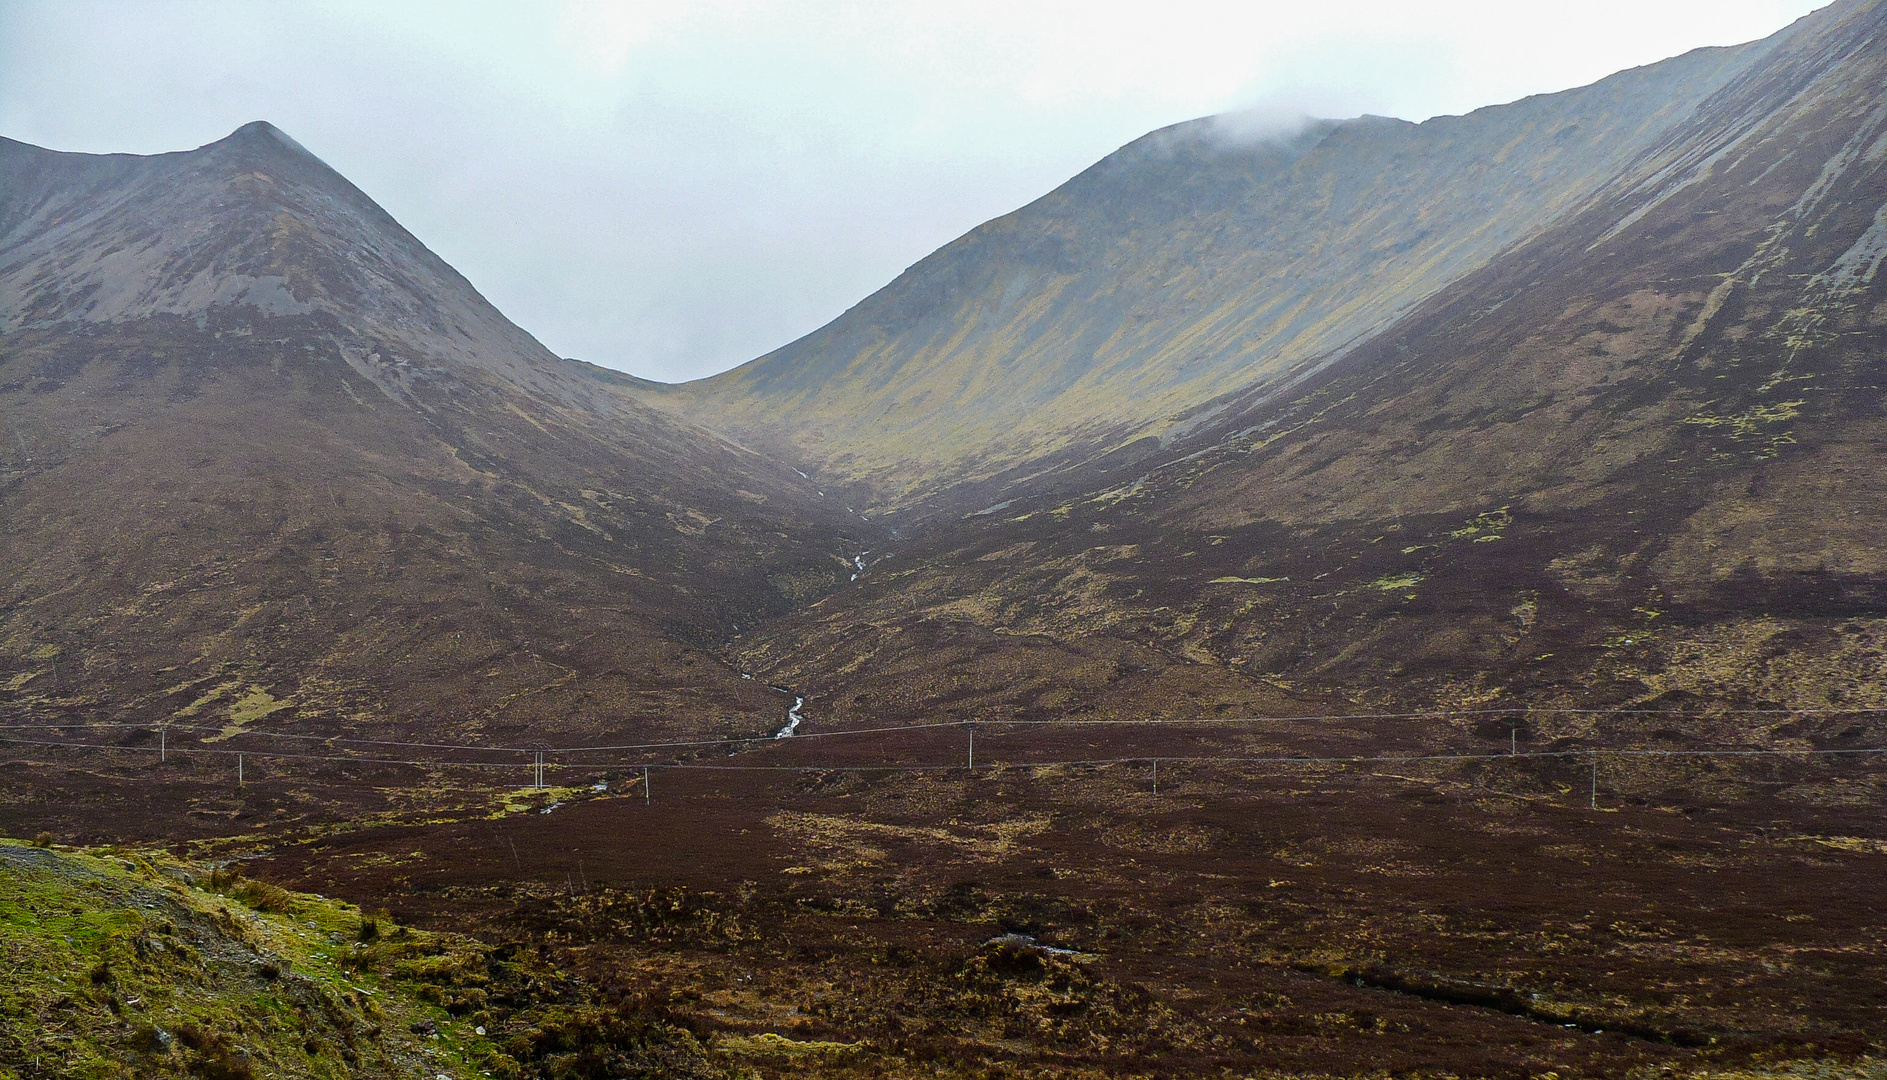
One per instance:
[(135, 965)]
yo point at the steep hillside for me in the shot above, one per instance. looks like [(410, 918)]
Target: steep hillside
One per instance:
[(1195, 261), (252, 227), (267, 461), (1635, 460), (1479, 675), (121, 966), (134, 964)]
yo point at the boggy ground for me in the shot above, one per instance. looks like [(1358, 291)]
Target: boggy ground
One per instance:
[(1477, 918)]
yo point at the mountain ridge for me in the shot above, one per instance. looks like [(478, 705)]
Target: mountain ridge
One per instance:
[(1088, 319), (520, 500), (1632, 463), (81, 245), (1263, 734), (258, 443)]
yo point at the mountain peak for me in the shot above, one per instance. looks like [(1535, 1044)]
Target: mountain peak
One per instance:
[(263, 135), (250, 227)]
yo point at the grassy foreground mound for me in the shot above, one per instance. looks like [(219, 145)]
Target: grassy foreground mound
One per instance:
[(122, 964)]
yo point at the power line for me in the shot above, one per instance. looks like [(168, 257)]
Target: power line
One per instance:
[(1232, 759), (847, 732), (1213, 759), (273, 755), (1434, 715), (741, 740)]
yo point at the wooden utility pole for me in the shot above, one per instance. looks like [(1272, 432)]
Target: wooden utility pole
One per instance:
[(972, 746), (646, 797), (1156, 776)]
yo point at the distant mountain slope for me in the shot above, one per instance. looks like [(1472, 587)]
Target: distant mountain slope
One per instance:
[(1191, 263), (264, 458), (252, 224), (1635, 459)]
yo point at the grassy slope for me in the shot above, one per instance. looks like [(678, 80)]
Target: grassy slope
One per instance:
[(1184, 266), (132, 965), (1636, 460), (122, 966), (243, 519)]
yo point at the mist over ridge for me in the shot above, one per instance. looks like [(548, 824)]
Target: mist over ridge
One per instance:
[(1207, 257), (1332, 598)]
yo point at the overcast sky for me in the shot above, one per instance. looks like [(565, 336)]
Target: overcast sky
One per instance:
[(673, 188)]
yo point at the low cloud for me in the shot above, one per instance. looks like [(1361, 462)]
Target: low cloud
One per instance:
[(674, 189)]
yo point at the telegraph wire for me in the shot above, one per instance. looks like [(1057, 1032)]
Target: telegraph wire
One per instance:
[(1137, 759), (742, 740)]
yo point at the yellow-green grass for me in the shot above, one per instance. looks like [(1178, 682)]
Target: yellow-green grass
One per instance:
[(122, 964)]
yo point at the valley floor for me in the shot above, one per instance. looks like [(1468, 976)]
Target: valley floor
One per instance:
[(801, 914)]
